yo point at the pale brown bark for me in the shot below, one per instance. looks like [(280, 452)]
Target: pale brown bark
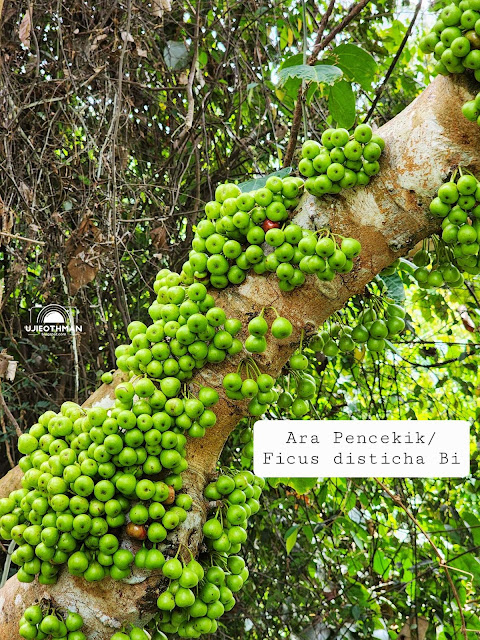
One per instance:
[(423, 144)]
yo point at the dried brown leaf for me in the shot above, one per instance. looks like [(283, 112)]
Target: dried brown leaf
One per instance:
[(25, 29), (80, 273), (160, 6), (159, 237), (127, 37)]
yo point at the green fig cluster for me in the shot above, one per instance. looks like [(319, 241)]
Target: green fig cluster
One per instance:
[(254, 386), (199, 593), (230, 241), (454, 39), (343, 160), (246, 440), (457, 250), (187, 332), (298, 388), (258, 328), (437, 267), (89, 471), (297, 253), (39, 624), (376, 324), (323, 256)]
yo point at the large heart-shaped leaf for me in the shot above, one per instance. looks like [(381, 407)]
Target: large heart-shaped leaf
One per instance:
[(356, 63)]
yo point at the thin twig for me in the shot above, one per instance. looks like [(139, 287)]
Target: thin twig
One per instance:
[(9, 414), (16, 237), (73, 334), (116, 119), (10, 459), (321, 31), (398, 501), (472, 292), (382, 85), (191, 76), (297, 114)]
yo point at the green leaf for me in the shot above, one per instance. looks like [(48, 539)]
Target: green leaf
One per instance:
[(258, 183), (356, 63), (341, 103), (292, 85), (381, 564), (407, 266), (274, 482), (394, 286), (322, 73), (356, 612), (302, 485), (175, 55), (202, 59), (291, 538), (292, 61)]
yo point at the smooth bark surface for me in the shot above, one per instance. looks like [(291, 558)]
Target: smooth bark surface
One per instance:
[(424, 144)]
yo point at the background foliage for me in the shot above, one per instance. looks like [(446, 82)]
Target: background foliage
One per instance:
[(118, 119)]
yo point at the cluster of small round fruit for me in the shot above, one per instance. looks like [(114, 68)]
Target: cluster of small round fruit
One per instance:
[(84, 468), (215, 247), (299, 387), (376, 324), (257, 387), (228, 242), (342, 161), (188, 331), (39, 624), (458, 249), (471, 109), (455, 39), (322, 255), (436, 266), (200, 592), (246, 439)]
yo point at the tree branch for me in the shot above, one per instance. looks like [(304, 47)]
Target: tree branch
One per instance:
[(389, 216)]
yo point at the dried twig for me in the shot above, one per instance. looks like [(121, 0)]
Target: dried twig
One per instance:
[(191, 76), (73, 334), (17, 237), (116, 120), (9, 414), (8, 450)]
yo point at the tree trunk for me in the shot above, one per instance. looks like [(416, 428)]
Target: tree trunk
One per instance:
[(423, 144)]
